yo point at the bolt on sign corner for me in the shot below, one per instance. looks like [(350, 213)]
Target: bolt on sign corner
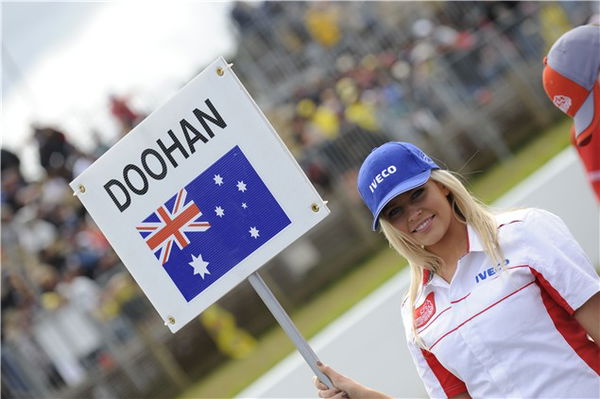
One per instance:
[(199, 195)]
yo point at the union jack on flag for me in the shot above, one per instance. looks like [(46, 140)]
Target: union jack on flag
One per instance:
[(170, 224)]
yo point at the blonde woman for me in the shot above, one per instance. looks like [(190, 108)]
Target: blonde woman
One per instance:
[(501, 305)]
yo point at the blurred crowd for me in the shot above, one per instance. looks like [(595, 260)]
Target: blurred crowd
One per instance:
[(56, 263), (379, 68), (357, 72)]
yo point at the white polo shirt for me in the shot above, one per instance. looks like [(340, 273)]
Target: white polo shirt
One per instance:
[(510, 332)]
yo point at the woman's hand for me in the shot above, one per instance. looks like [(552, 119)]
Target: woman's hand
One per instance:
[(343, 387)]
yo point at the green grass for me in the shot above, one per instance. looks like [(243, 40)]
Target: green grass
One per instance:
[(503, 176), (235, 375)]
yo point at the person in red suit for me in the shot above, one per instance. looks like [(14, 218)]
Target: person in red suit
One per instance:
[(571, 80)]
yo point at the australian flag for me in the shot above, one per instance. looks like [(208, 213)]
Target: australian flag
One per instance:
[(209, 226)]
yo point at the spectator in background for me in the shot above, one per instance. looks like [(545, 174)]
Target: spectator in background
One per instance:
[(12, 179), (9, 160), (126, 116), (243, 15), (571, 80), (322, 23), (54, 150), (357, 110)]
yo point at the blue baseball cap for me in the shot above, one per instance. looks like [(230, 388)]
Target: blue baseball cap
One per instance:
[(390, 170)]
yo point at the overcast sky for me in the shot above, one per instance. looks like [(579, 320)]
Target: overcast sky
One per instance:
[(60, 61)]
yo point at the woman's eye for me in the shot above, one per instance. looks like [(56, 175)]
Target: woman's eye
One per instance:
[(394, 212), (417, 193)]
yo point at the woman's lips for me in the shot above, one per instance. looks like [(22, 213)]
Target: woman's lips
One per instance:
[(424, 225)]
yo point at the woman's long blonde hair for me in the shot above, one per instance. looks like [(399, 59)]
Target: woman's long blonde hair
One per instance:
[(467, 209)]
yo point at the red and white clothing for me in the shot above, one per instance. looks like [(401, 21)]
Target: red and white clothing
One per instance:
[(590, 158), (508, 331)]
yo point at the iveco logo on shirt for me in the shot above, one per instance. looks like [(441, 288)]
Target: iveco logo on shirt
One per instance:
[(380, 176), (489, 272)]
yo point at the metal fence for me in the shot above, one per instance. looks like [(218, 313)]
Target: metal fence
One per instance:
[(460, 79)]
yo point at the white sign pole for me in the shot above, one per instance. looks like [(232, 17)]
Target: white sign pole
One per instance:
[(288, 325)]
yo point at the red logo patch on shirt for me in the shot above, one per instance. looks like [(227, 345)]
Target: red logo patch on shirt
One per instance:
[(424, 312)]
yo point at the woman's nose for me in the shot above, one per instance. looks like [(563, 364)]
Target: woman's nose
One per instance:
[(414, 214)]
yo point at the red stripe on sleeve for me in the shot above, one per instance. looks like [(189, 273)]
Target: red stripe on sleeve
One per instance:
[(562, 316), (449, 382)]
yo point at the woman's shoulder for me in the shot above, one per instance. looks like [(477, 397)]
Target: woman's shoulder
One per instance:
[(526, 217), (532, 227)]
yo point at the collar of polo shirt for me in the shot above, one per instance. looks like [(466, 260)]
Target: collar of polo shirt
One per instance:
[(473, 245), (473, 241)]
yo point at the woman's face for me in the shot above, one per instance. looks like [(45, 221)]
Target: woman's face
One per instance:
[(423, 213)]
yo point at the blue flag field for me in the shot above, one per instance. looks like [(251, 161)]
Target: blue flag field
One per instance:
[(213, 223)]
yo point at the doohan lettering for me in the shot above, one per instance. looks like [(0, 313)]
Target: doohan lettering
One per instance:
[(155, 161)]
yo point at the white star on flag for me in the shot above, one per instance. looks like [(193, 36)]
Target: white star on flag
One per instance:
[(199, 265), (241, 186), (254, 232), (244, 205), (219, 211), (218, 180)]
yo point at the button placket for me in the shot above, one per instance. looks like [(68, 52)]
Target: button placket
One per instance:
[(474, 333)]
